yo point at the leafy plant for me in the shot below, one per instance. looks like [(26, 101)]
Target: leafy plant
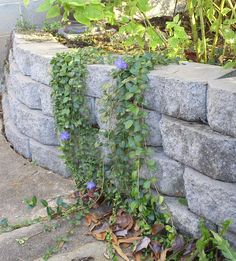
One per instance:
[(218, 17)]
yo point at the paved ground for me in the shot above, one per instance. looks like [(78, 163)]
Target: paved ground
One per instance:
[(20, 179)]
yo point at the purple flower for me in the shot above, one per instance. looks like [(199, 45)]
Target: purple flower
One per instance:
[(121, 64), (91, 185), (65, 135)]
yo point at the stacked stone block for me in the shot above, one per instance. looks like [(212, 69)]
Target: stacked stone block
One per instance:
[(191, 117)]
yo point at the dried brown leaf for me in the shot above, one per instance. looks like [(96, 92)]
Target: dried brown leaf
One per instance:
[(123, 221), (163, 254), (155, 247), (138, 257), (143, 244), (129, 240), (157, 228), (122, 233), (100, 236), (90, 218), (120, 252), (178, 243)]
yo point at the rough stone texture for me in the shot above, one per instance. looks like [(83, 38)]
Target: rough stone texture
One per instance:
[(46, 100), (25, 89), (231, 237), (48, 157), (98, 76), (221, 105), (199, 147), (153, 122), (94, 251), (212, 199), (39, 242), (21, 142), (34, 124), (169, 174), (180, 90), (186, 221), (33, 58)]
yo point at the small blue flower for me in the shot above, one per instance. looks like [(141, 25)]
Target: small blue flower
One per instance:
[(65, 135), (121, 64), (91, 185)]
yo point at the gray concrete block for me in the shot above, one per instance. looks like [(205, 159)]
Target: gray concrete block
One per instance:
[(13, 104), (98, 76), (24, 88), (5, 107), (153, 121), (184, 220), (168, 172), (197, 146), (19, 141), (221, 104), (33, 58), (180, 90), (48, 157), (46, 99), (231, 237), (212, 199), (36, 125)]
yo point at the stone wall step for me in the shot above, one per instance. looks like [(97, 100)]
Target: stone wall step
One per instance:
[(168, 172), (197, 146), (212, 199), (221, 104)]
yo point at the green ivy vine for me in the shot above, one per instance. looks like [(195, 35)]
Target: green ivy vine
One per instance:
[(71, 109), (126, 140)]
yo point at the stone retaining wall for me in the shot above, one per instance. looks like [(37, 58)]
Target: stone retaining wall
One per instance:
[(191, 115)]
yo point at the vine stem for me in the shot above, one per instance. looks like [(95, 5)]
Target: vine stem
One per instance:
[(219, 22)]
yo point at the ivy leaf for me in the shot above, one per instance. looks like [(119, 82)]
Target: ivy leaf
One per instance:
[(128, 95), (128, 124), (147, 184)]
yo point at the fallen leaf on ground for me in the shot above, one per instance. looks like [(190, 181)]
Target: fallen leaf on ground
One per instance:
[(178, 243), (90, 218), (143, 244), (129, 240), (123, 221), (157, 228), (100, 233), (163, 254), (155, 247), (138, 257), (120, 252), (122, 233)]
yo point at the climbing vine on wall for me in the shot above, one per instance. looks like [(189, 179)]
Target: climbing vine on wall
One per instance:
[(124, 138), (71, 109)]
